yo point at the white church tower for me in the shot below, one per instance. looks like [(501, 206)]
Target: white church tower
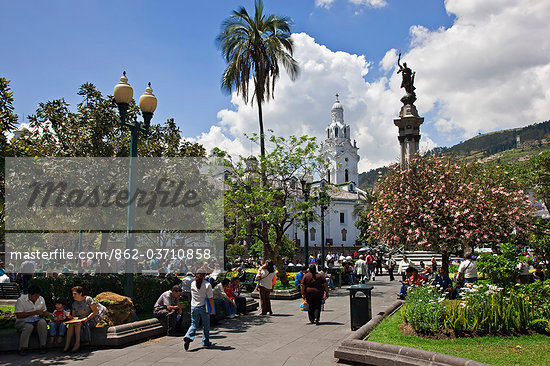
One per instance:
[(340, 232), (338, 150)]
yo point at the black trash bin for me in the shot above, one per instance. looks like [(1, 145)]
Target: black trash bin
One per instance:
[(360, 305), (336, 274)]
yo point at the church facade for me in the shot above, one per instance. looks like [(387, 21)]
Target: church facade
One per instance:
[(342, 173)]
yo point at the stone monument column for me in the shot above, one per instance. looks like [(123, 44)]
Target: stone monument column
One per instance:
[(409, 121)]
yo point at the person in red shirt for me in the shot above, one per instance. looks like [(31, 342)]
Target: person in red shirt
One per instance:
[(239, 300), (413, 279), (371, 259), (230, 296)]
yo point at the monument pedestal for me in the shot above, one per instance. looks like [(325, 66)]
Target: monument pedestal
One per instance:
[(409, 132)]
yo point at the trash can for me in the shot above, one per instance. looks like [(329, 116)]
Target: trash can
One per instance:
[(336, 274), (360, 305)]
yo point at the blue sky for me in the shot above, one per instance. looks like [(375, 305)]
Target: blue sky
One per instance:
[(463, 51)]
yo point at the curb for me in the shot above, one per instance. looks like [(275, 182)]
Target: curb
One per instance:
[(354, 349)]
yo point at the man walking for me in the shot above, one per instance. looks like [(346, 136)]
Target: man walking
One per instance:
[(391, 266), (370, 265), (361, 269)]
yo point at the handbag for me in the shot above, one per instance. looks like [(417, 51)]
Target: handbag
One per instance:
[(304, 306)]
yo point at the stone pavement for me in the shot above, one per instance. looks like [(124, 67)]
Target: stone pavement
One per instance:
[(285, 338)]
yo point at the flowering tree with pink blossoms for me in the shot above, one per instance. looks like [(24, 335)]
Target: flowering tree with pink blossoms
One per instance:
[(438, 204)]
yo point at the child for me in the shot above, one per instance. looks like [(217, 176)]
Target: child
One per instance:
[(57, 327), (230, 297)]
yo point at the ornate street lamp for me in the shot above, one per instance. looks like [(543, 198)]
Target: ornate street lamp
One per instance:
[(123, 93), (306, 181), (323, 203)]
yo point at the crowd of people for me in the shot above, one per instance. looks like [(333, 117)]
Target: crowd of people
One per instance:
[(203, 290)]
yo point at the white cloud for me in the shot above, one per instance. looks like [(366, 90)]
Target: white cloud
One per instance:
[(389, 60), (303, 106), (372, 3), (489, 70), (324, 3)]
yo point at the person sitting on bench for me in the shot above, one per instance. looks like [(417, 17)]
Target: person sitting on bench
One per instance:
[(167, 308), (29, 310)]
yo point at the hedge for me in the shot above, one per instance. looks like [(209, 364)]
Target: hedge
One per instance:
[(147, 289)]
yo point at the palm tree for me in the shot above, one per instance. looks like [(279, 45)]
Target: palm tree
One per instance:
[(361, 209), (254, 47)]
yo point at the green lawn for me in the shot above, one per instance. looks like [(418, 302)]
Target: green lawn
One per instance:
[(533, 350)]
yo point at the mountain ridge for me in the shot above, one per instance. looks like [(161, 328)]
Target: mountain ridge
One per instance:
[(510, 145)]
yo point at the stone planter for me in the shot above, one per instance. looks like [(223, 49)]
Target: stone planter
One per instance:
[(355, 349), (291, 294)]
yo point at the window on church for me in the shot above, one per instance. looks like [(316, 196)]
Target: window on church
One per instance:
[(346, 175), (335, 131), (344, 234), (342, 216), (328, 133), (328, 175), (312, 234)]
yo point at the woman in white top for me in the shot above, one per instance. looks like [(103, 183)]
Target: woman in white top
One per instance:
[(265, 285), (201, 291), (403, 265)]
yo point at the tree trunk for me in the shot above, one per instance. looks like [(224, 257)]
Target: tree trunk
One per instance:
[(262, 141), (266, 248), (445, 260), (282, 270)]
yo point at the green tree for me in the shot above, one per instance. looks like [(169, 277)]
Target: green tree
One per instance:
[(263, 212), (94, 131), (253, 47), (8, 121), (361, 210), (540, 240), (538, 174)]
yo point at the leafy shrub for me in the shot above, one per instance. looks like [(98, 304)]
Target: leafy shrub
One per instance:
[(424, 309), (147, 289), (537, 294), (7, 318), (502, 270), (485, 309)]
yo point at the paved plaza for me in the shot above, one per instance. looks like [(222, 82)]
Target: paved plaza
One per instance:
[(285, 338)]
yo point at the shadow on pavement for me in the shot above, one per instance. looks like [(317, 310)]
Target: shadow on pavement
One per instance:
[(54, 357), (212, 347), (329, 323)]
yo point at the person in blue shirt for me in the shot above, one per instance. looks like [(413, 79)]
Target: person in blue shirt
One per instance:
[(298, 279), (444, 283)]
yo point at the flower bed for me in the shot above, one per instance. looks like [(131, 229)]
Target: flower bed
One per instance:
[(495, 350), (484, 309)]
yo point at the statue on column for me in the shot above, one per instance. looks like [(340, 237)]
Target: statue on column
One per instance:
[(407, 82)]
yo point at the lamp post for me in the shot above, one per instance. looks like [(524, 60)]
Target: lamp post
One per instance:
[(324, 206), (306, 185), (123, 93)]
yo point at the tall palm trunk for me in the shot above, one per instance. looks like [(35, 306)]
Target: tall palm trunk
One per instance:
[(262, 141)]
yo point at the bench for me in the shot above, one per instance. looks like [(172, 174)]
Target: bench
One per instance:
[(9, 290), (249, 281), (114, 336)]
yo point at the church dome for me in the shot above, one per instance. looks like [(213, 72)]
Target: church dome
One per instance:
[(337, 112)]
